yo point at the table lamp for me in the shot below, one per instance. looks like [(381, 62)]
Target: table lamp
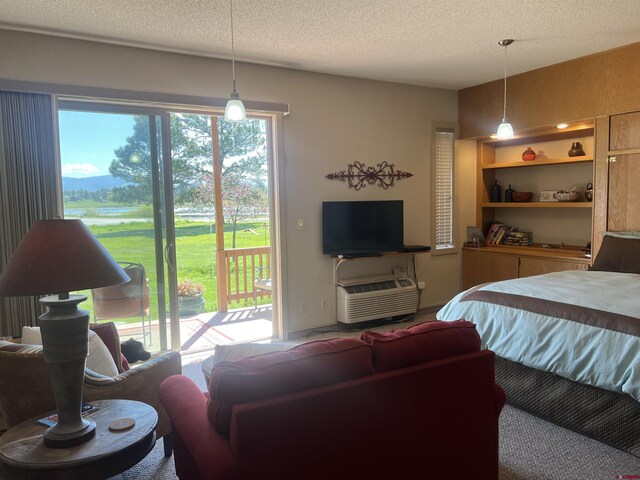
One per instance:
[(58, 257)]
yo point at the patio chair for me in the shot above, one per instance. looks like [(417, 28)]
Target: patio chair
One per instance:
[(127, 300), (261, 283)]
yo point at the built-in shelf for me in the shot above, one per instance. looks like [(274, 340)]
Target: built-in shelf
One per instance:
[(536, 205), (534, 163)]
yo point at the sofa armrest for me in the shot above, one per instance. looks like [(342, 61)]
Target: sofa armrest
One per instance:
[(141, 383), (187, 408)]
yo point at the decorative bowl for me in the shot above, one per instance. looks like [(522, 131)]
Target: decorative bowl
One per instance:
[(521, 196), (564, 196)]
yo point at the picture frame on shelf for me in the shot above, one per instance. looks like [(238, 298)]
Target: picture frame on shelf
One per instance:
[(547, 196)]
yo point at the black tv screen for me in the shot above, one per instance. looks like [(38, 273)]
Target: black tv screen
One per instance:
[(361, 228)]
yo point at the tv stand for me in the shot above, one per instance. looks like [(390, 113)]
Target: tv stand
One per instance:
[(350, 256)]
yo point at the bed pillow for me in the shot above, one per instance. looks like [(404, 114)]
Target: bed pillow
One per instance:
[(618, 254), (99, 359), (424, 342), (310, 365)]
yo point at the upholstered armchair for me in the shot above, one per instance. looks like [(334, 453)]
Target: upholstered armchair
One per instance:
[(25, 389)]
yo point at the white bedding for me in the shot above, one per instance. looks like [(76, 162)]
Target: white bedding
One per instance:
[(585, 343)]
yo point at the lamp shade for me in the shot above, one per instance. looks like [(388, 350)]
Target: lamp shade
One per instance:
[(59, 256), (234, 111), (505, 130)]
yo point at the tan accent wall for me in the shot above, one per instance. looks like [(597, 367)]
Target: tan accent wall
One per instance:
[(583, 88), (334, 121)]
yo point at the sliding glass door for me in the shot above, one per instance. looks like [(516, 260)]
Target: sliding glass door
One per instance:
[(114, 180), (183, 200)]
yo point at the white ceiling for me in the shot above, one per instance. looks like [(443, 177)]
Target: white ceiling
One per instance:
[(439, 43)]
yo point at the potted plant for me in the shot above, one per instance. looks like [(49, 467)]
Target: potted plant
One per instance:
[(190, 300)]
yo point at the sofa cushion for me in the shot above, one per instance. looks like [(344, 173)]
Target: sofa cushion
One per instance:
[(309, 365), (421, 343)]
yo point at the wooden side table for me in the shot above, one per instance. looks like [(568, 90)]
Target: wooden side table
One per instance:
[(109, 453)]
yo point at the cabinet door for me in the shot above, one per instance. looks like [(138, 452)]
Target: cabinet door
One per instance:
[(623, 209), (624, 132), (537, 266), (482, 267)]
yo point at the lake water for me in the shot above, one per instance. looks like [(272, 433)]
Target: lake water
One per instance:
[(115, 215)]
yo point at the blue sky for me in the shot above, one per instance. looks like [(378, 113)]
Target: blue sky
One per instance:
[(87, 141)]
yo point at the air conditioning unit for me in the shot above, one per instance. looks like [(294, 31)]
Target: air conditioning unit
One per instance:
[(360, 300)]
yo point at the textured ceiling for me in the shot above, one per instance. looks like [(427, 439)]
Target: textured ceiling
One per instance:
[(440, 43)]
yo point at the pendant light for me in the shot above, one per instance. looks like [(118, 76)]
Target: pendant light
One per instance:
[(505, 130), (234, 111)]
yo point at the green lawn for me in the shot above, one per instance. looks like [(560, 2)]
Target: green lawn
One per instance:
[(195, 248)]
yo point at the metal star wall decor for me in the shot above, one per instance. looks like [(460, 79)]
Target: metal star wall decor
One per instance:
[(358, 175)]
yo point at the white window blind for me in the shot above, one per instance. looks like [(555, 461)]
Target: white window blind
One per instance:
[(443, 172)]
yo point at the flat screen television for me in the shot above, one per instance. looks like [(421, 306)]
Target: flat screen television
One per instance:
[(362, 228)]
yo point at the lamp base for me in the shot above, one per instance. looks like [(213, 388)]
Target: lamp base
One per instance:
[(65, 440), (64, 330)]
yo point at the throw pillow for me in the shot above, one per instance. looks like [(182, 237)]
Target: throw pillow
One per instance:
[(109, 335), (424, 342), (618, 254), (99, 359), (31, 336), (306, 366)]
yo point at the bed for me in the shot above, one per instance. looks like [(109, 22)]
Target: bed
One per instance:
[(568, 343)]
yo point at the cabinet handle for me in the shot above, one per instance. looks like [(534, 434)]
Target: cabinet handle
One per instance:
[(612, 159)]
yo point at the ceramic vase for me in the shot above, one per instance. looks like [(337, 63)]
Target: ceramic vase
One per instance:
[(576, 150), (528, 155)]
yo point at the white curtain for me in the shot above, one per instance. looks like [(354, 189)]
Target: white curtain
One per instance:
[(28, 186)]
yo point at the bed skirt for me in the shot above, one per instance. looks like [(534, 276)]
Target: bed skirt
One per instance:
[(608, 417)]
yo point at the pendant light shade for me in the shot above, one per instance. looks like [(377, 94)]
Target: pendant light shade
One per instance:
[(505, 130), (234, 111)]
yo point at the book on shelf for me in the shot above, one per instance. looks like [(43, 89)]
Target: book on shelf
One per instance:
[(519, 238)]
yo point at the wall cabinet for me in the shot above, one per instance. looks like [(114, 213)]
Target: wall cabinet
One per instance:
[(491, 264), (617, 171)]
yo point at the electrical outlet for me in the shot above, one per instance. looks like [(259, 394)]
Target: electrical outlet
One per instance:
[(301, 224), (421, 285), (323, 304), (303, 307)]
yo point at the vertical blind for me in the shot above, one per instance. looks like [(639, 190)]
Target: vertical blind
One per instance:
[(444, 144)]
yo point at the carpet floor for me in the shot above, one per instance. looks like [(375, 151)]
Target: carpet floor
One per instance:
[(530, 448)]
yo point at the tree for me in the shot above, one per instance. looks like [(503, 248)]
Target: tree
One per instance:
[(242, 151)]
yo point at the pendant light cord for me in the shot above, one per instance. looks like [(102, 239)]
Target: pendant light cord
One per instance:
[(233, 56), (504, 112)]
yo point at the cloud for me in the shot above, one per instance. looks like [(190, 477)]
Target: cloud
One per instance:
[(79, 170)]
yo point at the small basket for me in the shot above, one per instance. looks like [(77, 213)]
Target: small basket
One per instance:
[(567, 196)]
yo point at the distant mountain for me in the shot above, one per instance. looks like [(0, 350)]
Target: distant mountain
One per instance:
[(92, 184)]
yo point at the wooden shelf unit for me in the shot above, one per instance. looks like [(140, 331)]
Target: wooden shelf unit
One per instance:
[(538, 162), (537, 205), (488, 168), (494, 162)]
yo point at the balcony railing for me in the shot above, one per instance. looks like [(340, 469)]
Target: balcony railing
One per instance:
[(240, 267)]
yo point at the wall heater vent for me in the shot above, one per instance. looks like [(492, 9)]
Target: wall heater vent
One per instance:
[(376, 299)]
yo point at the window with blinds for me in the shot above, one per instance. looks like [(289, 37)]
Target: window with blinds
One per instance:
[(443, 157)]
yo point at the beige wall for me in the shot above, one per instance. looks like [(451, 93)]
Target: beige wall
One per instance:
[(334, 121)]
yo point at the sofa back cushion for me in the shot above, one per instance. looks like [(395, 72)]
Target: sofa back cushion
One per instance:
[(421, 343), (309, 365)]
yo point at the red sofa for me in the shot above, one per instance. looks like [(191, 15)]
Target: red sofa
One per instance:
[(417, 403)]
